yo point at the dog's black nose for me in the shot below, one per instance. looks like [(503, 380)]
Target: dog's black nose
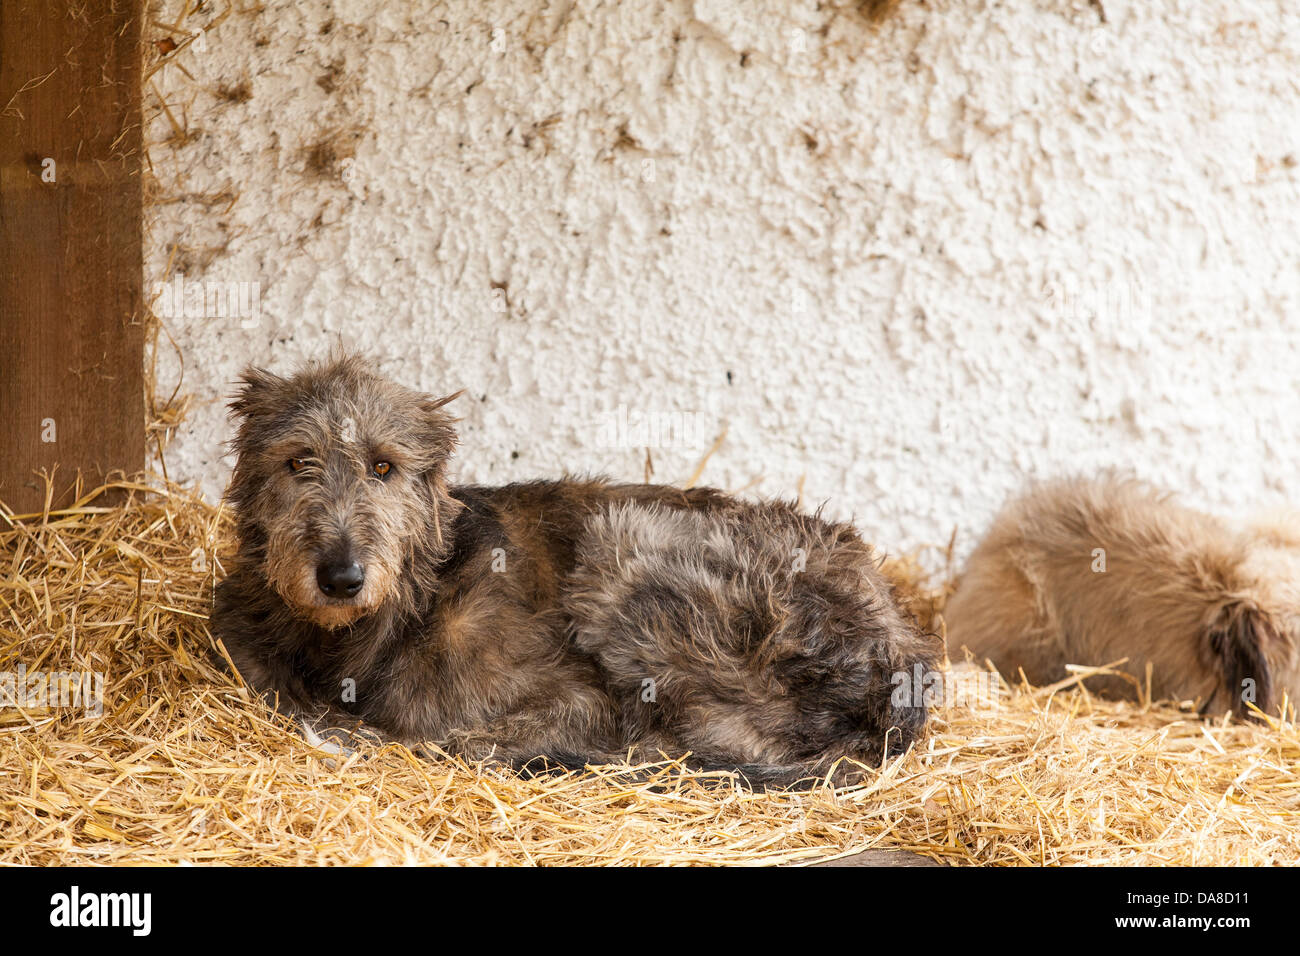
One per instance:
[(339, 579)]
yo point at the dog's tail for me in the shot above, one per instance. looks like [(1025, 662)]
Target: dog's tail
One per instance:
[(1238, 638)]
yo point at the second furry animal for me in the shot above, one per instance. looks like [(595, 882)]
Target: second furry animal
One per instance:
[(1089, 572)]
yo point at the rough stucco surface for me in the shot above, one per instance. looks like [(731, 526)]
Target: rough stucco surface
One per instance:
[(911, 267)]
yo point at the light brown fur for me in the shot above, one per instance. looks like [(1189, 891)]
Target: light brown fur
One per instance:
[(1207, 607)]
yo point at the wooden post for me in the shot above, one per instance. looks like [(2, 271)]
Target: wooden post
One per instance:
[(71, 306)]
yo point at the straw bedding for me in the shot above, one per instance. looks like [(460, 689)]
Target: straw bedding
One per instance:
[(184, 767)]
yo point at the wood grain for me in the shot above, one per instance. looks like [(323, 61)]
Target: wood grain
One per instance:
[(71, 313)]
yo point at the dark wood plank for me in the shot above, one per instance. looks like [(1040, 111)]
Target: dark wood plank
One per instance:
[(71, 308)]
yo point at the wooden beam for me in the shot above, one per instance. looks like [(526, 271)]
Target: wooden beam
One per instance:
[(71, 306)]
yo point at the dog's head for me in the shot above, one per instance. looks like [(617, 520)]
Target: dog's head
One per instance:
[(339, 480)]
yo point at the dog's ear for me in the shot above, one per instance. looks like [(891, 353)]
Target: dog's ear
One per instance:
[(438, 440), (257, 386), (1239, 638), (437, 428)]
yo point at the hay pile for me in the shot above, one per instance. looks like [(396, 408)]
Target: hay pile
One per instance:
[(183, 767)]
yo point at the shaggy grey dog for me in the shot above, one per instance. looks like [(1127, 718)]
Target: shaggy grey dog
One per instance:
[(576, 621)]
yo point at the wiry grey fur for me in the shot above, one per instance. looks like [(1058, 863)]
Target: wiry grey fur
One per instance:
[(575, 621)]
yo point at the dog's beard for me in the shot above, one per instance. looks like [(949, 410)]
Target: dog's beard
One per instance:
[(335, 616)]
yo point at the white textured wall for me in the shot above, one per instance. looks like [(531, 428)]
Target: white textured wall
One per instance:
[(914, 267)]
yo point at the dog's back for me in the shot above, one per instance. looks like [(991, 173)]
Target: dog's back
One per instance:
[(1089, 572), (771, 635)]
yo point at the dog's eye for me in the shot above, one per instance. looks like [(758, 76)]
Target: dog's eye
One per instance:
[(297, 464), (380, 469)]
